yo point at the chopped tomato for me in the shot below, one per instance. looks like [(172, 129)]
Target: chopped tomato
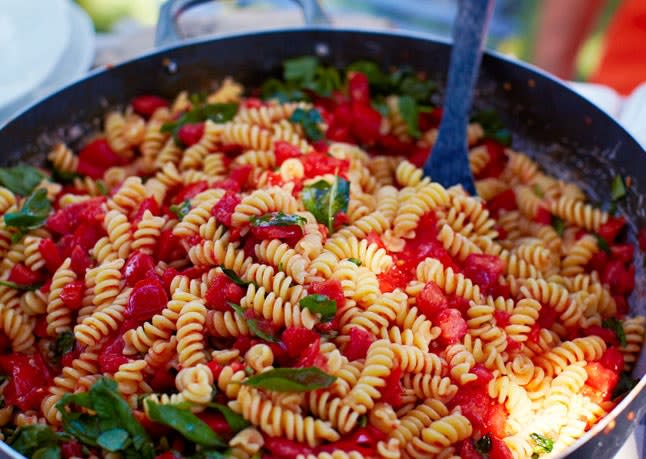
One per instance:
[(502, 318), (297, 339), (51, 255), (622, 305), (366, 122), (21, 274), (67, 220), (287, 232), (613, 360), (282, 448), (138, 267), (363, 440), (330, 288), (72, 294), (373, 238), (170, 247), (358, 345), (167, 277), (547, 317), (391, 391), (215, 368), (29, 379), (622, 252), (223, 210), (474, 402), (319, 164), (190, 133), (80, 261), (606, 334), (71, 448), (483, 374), (99, 154), (190, 191), (111, 355), (311, 356), (620, 279), (394, 278), (543, 216), (502, 201), (496, 419), (40, 329), (609, 230), (483, 269), (162, 380), (359, 88), (598, 261), (453, 326), (148, 298), (601, 378), (241, 174), (221, 291), (147, 204), (431, 300), (285, 150), (499, 449), (145, 105)]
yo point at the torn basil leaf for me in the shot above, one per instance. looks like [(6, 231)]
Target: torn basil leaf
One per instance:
[(542, 444), (483, 444), (278, 219), (320, 304), (409, 112), (602, 244), (325, 201), (493, 126), (558, 225), (291, 379), (21, 179), (236, 422), (231, 274), (255, 327), (32, 214), (309, 120), (185, 422), (615, 325), (24, 288), (355, 261), (625, 385), (617, 188), (180, 210)]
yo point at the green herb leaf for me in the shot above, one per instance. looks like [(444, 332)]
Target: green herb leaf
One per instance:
[(320, 304), (291, 379), (325, 201), (617, 188), (235, 421), (255, 327), (185, 422), (483, 444), (231, 274), (300, 69), (278, 219), (102, 188), (20, 179), (113, 440), (537, 190), (493, 127), (24, 288), (542, 445), (64, 343), (558, 225), (310, 120), (28, 440), (625, 385), (372, 71), (602, 244), (362, 421), (111, 412), (218, 113), (51, 452), (355, 261), (325, 81), (409, 112), (276, 89), (33, 213), (615, 325), (181, 209)]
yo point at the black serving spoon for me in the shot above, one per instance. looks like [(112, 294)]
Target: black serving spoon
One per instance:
[(448, 164)]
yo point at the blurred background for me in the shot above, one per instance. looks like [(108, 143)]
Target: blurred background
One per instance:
[(595, 44)]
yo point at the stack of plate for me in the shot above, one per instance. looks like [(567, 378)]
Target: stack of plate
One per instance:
[(44, 44)]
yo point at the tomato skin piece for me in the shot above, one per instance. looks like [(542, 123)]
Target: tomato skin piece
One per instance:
[(297, 339), (111, 355), (148, 298), (453, 326), (138, 266), (359, 88), (145, 105), (484, 270), (51, 255), (608, 336), (502, 201), (221, 291), (285, 150), (21, 274), (468, 450), (613, 360), (601, 378), (29, 379), (609, 230), (391, 392), (543, 216), (277, 232), (190, 191), (431, 300), (331, 288), (282, 448), (622, 252), (190, 133), (499, 449), (223, 210), (216, 422), (169, 247), (72, 294), (361, 341)]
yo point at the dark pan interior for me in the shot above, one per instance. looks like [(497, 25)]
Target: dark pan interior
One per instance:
[(568, 135)]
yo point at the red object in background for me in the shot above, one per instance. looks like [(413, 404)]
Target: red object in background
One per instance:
[(146, 105)]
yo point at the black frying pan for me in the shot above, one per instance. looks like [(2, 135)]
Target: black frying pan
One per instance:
[(569, 136)]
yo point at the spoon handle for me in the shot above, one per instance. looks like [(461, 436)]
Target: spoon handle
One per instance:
[(469, 32)]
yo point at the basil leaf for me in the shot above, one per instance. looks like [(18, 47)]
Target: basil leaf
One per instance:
[(291, 379), (231, 274), (324, 201), (101, 187), (617, 188), (185, 422), (409, 112), (355, 261), (235, 421), (615, 325), (625, 385), (276, 89), (21, 179), (320, 304), (483, 444), (113, 440), (218, 113), (22, 287), (64, 344), (372, 71), (29, 439), (310, 120), (300, 69), (33, 213), (111, 412), (542, 444), (180, 210), (362, 421), (255, 327), (493, 127), (603, 245), (51, 452), (325, 81), (278, 219), (558, 225)]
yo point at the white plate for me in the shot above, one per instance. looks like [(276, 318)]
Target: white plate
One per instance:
[(75, 61), (33, 36)]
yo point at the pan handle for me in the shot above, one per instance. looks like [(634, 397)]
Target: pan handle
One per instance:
[(169, 12)]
